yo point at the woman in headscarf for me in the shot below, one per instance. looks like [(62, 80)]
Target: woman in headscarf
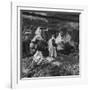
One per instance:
[(59, 41), (36, 38)]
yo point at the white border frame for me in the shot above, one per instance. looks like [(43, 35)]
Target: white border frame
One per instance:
[(15, 42)]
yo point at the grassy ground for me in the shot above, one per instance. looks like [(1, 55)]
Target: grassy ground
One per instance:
[(60, 66)]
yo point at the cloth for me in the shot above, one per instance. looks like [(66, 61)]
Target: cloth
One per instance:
[(38, 57)]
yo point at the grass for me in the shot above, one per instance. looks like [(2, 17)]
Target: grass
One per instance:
[(60, 66)]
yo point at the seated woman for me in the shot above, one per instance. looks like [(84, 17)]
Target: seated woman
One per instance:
[(41, 51), (68, 46)]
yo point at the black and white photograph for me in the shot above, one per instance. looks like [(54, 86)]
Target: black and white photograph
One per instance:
[(49, 43)]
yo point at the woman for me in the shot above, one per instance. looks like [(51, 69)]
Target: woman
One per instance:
[(59, 41), (35, 40)]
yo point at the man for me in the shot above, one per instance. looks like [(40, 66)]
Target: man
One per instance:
[(51, 47)]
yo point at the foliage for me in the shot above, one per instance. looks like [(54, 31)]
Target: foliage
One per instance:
[(57, 67)]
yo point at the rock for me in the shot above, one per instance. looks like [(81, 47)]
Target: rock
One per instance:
[(49, 59), (56, 63)]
